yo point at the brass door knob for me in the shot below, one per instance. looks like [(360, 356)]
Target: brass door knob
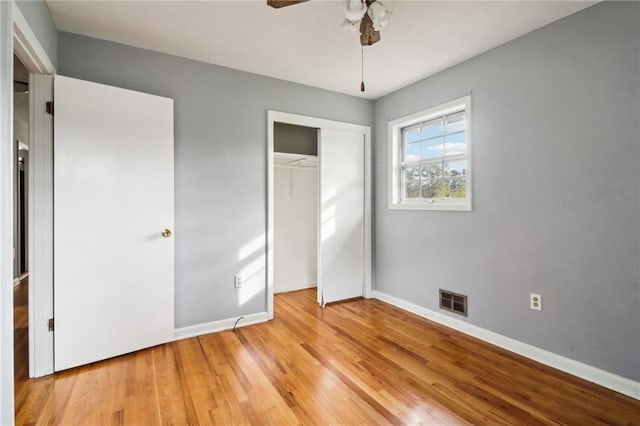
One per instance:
[(166, 233)]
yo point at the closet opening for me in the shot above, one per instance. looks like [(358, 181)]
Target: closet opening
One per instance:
[(295, 192), (318, 179)]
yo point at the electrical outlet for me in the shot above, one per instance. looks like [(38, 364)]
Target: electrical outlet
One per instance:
[(535, 302), (237, 281)]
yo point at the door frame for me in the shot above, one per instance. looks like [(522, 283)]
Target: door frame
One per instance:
[(16, 37), (321, 123), (6, 214), (26, 46)]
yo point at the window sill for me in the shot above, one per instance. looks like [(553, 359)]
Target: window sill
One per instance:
[(443, 206)]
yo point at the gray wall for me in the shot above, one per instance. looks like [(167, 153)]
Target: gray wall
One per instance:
[(556, 192), (36, 12), (295, 139), (220, 159)]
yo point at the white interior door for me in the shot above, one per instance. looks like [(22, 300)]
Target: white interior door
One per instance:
[(341, 234), (113, 197)]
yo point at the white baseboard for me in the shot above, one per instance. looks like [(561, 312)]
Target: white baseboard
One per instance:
[(603, 378), (16, 281), (220, 325)]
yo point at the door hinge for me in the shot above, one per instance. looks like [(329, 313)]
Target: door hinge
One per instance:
[(49, 106), (50, 324)]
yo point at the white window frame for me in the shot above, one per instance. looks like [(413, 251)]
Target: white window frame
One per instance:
[(394, 158)]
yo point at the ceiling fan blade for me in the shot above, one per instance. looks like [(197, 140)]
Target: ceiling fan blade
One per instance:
[(277, 4), (368, 35)]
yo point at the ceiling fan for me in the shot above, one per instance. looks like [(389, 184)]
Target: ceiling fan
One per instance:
[(369, 15)]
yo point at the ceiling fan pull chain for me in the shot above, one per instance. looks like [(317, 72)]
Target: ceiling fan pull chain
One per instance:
[(362, 68)]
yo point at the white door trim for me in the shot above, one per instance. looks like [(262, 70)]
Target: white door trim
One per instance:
[(302, 120), (6, 214), (40, 226), (28, 48)]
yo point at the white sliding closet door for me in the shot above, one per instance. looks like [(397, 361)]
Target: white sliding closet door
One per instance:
[(113, 213), (341, 234)]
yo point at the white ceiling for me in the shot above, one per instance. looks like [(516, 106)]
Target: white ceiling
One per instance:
[(305, 43)]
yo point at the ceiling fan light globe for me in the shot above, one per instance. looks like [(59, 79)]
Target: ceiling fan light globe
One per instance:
[(354, 10), (379, 14)]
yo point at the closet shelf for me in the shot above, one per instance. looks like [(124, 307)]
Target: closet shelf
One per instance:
[(286, 159)]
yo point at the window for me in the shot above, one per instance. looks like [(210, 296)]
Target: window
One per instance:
[(430, 159)]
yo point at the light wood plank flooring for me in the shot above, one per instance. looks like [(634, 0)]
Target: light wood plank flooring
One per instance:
[(357, 362)]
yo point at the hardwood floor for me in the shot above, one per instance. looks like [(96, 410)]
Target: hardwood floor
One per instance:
[(358, 362), (21, 330)]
